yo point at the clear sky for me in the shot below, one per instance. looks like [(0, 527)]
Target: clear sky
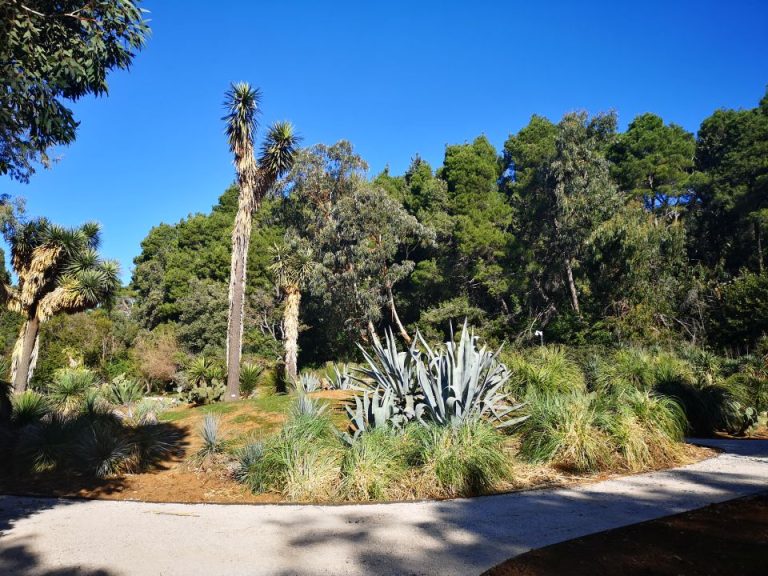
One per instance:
[(395, 78)]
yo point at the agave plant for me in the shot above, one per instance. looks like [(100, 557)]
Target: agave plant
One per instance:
[(447, 386), (307, 383), (394, 371), (373, 410), (305, 406), (123, 391), (464, 383), (342, 378)]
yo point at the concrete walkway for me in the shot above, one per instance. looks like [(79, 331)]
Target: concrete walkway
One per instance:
[(61, 537)]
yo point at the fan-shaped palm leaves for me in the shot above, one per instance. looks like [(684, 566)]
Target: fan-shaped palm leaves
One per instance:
[(59, 271), (254, 180)]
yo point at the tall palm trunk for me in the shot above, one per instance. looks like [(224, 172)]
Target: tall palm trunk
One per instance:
[(241, 237), (291, 331), (25, 354)]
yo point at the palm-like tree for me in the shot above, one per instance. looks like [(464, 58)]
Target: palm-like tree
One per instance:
[(292, 267), (59, 271), (254, 179)]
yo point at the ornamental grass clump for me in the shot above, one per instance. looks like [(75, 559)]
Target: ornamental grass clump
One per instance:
[(301, 462), (564, 429), (545, 369), (463, 460), (374, 466)]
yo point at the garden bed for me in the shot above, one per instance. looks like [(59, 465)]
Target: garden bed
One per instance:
[(179, 479), (727, 538)]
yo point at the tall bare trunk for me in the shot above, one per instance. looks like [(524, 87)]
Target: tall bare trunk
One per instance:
[(759, 238), (291, 331), (241, 237), (25, 354), (395, 316), (572, 286)]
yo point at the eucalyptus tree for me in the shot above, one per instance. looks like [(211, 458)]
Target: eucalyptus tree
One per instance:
[(362, 237), (254, 178), (292, 268), (59, 271), (571, 194), (53, 52)]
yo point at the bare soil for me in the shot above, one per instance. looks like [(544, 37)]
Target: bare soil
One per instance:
[(723, 539)]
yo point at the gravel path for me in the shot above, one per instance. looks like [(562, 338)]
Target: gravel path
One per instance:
[(63, 537)]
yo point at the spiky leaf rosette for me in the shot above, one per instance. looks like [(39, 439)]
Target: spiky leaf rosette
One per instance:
[(242, 105), (278, 150)]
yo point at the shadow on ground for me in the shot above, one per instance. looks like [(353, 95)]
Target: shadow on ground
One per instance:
[(449, 537)]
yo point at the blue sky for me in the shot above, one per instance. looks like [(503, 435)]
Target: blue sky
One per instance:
[(395, 78)]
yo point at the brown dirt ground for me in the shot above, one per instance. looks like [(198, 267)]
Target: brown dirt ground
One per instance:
[(177, 479), (723, 539)]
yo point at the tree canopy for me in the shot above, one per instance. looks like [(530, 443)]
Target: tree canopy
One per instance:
[(53, 53)]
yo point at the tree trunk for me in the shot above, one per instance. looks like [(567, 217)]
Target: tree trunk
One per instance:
[(572, 286), (25, 354), (395, 316), (241, 237), (291, 332), (372, 333), (759, 238)]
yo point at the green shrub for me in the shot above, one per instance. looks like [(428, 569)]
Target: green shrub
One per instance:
[(464, 460), (740, 318)]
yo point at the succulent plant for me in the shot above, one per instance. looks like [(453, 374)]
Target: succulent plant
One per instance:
[(307, 382), (450, 385)]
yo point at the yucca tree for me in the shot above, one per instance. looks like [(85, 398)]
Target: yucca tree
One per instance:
[(59, 271), (254, 179), (292, 267)]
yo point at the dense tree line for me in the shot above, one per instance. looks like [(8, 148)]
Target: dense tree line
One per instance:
[(574, 229)]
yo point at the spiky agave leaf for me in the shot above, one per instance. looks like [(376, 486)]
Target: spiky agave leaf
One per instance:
[(278, 150), (242, 104)]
